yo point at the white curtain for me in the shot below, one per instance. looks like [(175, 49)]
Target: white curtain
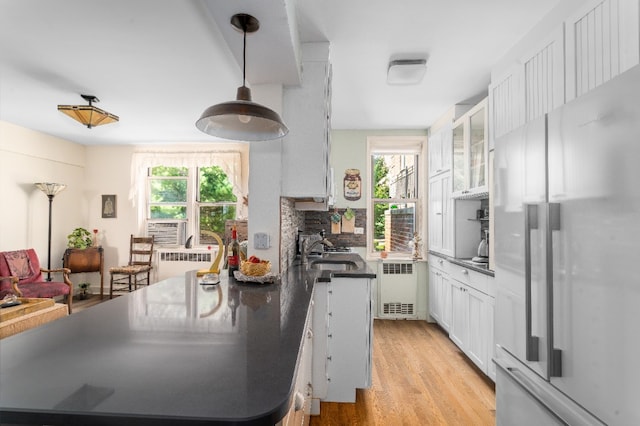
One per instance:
[(229, 161)]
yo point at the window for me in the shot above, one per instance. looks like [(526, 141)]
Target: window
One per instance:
[(394, 208), (213, 203), (188, 194)]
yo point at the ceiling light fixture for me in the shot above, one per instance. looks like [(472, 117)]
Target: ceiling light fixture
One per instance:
[(242, 119), (88, 115), (406, 71)]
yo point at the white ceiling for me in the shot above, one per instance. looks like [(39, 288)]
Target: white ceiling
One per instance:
[(159, 63)]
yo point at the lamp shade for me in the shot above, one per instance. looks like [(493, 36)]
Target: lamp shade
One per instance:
[(242, 120), (88, 115), (50, 189)]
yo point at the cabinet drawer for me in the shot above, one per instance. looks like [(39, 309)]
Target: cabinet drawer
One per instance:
[(469, 277), (439, 263)]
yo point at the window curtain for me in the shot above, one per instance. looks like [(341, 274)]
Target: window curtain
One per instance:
[(229, 161)]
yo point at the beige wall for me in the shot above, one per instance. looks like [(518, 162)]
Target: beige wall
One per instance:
[(27, 157)]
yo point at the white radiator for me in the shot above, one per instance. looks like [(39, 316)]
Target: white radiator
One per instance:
[(397, 290), (177, 261)]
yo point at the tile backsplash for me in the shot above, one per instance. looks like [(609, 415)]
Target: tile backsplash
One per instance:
[(317, 221), (292, 220)]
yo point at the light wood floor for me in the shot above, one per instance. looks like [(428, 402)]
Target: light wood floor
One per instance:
[(420, 377)]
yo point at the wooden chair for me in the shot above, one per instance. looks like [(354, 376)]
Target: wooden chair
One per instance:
[(137, 271), (25, 266)]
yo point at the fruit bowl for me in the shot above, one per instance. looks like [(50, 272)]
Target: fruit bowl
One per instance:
[(255, 269)]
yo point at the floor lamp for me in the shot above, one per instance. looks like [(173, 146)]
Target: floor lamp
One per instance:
[(50, 189)]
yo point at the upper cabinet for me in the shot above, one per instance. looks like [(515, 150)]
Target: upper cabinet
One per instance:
[(305, 150), (440, 150), (602, 41), (580, 50), (470, 152)]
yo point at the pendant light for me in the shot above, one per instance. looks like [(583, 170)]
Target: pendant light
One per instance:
[(242, 119)]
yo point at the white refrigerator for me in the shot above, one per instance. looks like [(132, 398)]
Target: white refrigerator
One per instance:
[(567, 244)]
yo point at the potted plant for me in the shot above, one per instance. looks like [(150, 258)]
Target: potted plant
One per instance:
[(84, 290), (80, 238)]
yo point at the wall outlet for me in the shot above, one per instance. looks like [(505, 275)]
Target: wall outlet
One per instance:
[(261, 240), (358, 230)]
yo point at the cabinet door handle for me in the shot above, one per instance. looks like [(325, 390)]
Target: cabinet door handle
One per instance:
[(299, 401), (330, 292)]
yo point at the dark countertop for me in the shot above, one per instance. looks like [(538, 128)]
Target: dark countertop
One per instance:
[(173, 353), (478, 267)]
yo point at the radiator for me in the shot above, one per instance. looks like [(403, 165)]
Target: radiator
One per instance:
[(177, 261), (397, 289)]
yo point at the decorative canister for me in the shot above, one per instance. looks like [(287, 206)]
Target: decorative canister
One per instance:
[(352, 184)]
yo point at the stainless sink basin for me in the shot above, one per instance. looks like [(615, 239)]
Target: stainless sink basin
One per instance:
[(334, 265)]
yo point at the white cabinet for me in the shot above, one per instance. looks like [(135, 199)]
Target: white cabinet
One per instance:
[(590, 45), (472, 323), (543, 77), (440, 150), (462, 302), (459, 330), (470, 150), (300, 411), (441, 215), (305, 150), (505, 105), (343, 334), (602, 41), (439, 292)]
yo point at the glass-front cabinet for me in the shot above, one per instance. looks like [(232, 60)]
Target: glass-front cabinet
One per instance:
[(459, 157), (470, 150)]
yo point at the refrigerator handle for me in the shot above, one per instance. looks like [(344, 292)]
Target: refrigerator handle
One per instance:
[(530, 223), (555, 355)]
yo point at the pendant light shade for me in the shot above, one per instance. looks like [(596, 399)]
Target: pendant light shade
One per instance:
[(88, 115), (242, 119)]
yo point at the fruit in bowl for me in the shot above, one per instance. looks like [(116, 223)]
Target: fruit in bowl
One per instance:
[(255, 267)]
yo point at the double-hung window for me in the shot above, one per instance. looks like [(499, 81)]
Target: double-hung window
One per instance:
[(394, 211), (189, 195)]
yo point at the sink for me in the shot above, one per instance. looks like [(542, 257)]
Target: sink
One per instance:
[(334, 265)]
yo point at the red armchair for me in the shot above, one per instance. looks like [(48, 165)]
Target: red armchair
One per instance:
[(25, 266)]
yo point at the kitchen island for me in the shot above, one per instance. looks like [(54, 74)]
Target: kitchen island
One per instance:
[(177, 352)]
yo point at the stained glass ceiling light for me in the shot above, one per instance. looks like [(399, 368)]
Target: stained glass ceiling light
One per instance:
[(88, 115)]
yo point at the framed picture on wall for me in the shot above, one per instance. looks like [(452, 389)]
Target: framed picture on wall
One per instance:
[(109, 206)]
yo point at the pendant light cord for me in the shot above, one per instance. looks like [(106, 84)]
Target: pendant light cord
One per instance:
[(244, 54)]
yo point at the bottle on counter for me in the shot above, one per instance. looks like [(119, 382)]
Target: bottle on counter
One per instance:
[(233, 253)]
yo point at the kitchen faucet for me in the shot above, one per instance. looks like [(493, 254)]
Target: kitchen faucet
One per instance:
[(306, 248)]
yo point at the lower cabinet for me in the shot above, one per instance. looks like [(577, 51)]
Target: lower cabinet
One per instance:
[(300, 412), (472, 323), (440, 297), (463, 310), (342, 339)]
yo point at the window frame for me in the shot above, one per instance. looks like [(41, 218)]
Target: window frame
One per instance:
[(390, 145), (233, 162)]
